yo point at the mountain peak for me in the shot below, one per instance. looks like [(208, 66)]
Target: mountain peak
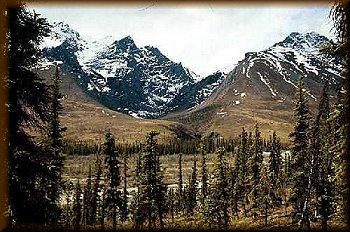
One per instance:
[(126, 43), (309, 40), (127, 39)]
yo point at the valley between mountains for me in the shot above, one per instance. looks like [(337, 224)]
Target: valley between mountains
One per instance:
[(114, 84)]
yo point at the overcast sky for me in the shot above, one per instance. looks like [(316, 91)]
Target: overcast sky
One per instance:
[(205, 38)]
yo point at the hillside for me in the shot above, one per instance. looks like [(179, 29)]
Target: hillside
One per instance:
[(86, 120), (115, 78), (261, 88)]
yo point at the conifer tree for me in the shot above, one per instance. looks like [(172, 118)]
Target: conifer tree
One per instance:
[(150, 205), (241, 184), (204, 174), (55, 146), (264, 194), (28, 106), (171, 199), (102, 206), (275, 162), (180, 185), (95, 194), (256, 162), (232, 180), (286, 179), (340, 123), (113, 195), (191, 193), (68, 192), (317, 141), (331, 135), (77, 206), (301, 160), (87, 198), (125, 191), (219, 189)]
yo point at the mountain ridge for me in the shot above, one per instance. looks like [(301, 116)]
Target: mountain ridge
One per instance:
[(143, 82)]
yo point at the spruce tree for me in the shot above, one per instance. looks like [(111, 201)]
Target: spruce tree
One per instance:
[(150, 205), (204, 174), (124, 210), (55, 147), (102, 206), (331, 182), (264, 194), (301, 160), (285, 180), (218, 203), (340, 122), (191, 193), (77, 206), (232, 180), (241, 185), (28, 106), (180, 185), (275, 162), (68, 190), (113, 195), (256, 162), (87, 198), (317, 141), (96, 190)]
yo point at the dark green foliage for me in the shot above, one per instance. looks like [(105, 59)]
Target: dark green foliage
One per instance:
[(150, 200), (28, 106), (275, 163), (338, 149), (218, 198), (171, 198), (285, 180), (86, 199), (301, 159), (264, 194), (68, 191), (241, 165), (256, 161), (330, 182), (204, 174), (124, 209), (95, 194), (102, 206), (72, 147), (234, 193), (55, 131), (180, 195), (77, 206), (191, 190), (113, 195), (338, 120)]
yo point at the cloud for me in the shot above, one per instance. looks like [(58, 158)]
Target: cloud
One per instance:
[(204, 38)]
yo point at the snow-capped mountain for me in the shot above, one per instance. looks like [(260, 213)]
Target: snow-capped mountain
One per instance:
[(273, 73), (142, 82), (262, 87)]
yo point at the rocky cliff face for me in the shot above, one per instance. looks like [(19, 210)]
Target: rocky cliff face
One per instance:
[(141, 82)]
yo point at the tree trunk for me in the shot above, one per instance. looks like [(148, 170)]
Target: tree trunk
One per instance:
[(114, 218), (324, 223)]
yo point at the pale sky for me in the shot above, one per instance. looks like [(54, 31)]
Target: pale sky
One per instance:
[(205, 38)]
